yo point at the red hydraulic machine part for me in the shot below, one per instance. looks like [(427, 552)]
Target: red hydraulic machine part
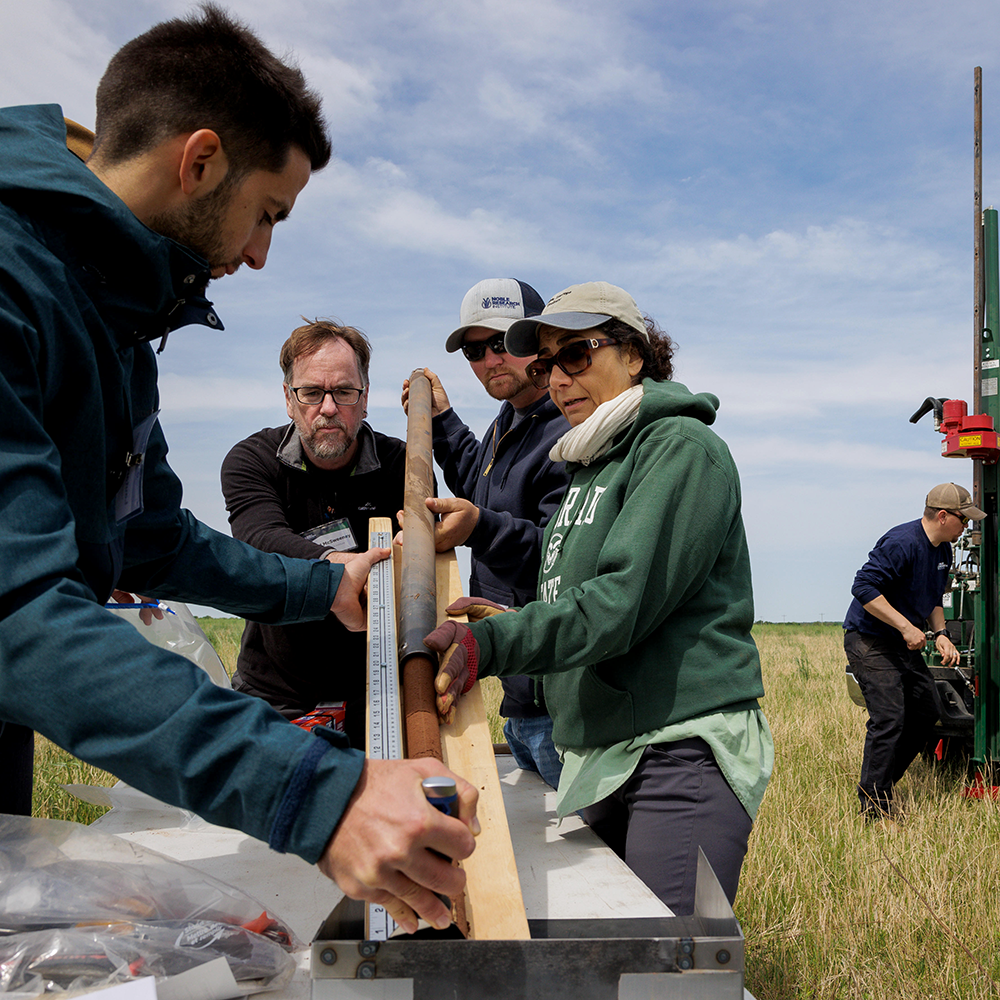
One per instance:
[(964, 436)]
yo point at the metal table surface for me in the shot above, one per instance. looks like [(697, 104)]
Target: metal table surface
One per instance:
[(565, 871)]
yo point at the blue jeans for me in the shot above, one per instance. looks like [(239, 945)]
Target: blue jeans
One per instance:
[(530, 741)]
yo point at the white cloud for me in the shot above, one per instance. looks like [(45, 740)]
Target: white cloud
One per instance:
[(50, 34), (848, 249), (379, 205), (350, 92), (836, 393), (206, 395), (773, 452)]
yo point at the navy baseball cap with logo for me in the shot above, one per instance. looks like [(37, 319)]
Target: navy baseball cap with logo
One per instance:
[(494, 303)]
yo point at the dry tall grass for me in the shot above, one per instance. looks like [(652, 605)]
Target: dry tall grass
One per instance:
[(831, 909), (224, 634), (55, 767)]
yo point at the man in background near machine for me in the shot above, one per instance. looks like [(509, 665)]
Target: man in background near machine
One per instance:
[(307, 490), (897, 594), (506, 488), (204, 140)]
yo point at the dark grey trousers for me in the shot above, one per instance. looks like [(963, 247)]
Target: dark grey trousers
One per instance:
[(902, 706), (17, 764), (676, 801)]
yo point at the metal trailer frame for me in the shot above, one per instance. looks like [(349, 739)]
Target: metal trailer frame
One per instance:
[(700, 957)]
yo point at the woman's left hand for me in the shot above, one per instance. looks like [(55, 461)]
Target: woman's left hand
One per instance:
[(459, 667), (475, 608)]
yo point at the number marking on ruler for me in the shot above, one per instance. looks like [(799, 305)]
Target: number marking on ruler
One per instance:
[(385, 728)]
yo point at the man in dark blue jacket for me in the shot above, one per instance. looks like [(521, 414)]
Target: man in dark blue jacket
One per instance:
[(506, 487), (203, 141), (897, 593)]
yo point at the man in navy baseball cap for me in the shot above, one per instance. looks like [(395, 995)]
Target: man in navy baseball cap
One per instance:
[(506, 488)]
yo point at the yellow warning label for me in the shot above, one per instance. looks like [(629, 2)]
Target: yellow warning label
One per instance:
[(970, 440)]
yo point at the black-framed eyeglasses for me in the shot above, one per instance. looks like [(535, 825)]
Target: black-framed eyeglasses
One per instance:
[(313, 395), (572, 359), (964, 518), (477, 351)]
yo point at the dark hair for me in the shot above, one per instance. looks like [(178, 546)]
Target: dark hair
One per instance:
[(308, 339), (208, 71), (657, 352)]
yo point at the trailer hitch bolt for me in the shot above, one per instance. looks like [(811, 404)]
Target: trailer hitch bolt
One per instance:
[(368, 949), (722, 956), (685, 949), (366, 970), (328, 956)]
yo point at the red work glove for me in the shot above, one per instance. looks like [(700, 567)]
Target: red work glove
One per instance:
[(476, 608), (458, 668)]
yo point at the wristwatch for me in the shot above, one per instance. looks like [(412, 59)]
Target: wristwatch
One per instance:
[(940, 631)]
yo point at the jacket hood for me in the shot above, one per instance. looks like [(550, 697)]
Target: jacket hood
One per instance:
[(38, 162), (90, 227), (673, 399), (612, 428)]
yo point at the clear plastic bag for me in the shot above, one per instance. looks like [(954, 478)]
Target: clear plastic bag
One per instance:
[(179, 632), (93, 957), (82, 909)]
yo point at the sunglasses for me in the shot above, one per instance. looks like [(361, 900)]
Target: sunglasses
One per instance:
[(477, 351), (572, 359)]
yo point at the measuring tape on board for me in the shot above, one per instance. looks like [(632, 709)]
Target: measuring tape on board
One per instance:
[(385, 714)]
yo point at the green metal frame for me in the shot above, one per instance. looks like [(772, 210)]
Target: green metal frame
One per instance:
[(987, 655)]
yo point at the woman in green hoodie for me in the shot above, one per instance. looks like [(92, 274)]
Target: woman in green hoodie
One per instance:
[(642, 629)]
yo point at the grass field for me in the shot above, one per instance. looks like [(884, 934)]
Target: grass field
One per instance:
[(831, 909)]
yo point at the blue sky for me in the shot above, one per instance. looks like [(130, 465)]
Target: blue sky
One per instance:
[(785, 187)]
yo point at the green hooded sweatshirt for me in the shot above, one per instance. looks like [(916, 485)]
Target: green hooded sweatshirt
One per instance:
[(645, 605)]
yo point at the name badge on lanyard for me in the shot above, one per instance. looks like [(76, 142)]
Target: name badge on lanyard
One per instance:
[(336, 535)]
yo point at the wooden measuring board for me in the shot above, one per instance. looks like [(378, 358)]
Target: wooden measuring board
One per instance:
[(493, 903)]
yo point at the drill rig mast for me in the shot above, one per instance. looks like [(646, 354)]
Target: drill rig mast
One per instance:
[(971, 607)]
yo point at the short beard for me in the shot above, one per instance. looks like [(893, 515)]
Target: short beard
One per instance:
[(327, 447), (519, 383), (199, 224)]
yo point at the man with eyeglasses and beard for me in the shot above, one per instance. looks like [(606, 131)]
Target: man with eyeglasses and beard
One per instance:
[(506, 489), (307, 490), (897, 593)]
